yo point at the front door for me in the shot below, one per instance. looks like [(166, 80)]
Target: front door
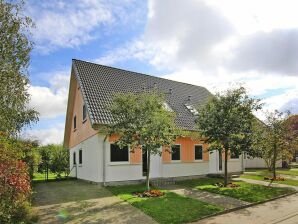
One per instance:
[(144, 163)]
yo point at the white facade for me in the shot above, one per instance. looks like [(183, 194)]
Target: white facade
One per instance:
[(97, 167), (251, 162)]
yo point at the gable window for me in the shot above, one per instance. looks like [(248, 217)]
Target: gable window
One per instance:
[(234, 155), (198, 152), (80, 156), (118, 154), (84, 112), (175, 152), (75, 122), (74, 158)]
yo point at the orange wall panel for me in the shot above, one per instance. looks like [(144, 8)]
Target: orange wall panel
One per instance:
[(84, 129), (187, 150)]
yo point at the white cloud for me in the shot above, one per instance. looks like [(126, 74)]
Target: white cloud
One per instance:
[(219, 43), (51, 101), (68, 24), (51, 135)]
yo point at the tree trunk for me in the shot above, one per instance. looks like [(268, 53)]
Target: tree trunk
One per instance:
[(148, 171), (274, 160), (226, 167)]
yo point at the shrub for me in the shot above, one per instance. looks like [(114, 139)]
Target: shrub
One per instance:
[(15, 187)]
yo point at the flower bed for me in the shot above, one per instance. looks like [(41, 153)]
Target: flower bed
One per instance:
[(148, 194)]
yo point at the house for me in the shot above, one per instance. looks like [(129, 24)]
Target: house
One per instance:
[(94, 157)]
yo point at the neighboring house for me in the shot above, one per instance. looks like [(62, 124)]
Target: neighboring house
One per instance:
[(94, 157)]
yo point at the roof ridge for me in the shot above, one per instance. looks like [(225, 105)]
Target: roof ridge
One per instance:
[(121, 69)]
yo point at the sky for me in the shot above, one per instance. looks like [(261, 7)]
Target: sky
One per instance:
[(218, 44)]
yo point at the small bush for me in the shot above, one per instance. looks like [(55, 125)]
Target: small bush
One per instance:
[(15, 187)]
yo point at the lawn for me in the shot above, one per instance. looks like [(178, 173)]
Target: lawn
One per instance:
[(290, 172), (170, 208), (42, 177), (246, 192), (261, 177)]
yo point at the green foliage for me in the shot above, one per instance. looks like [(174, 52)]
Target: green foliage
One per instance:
[(60, 160), (270, 139), (15, 48), (141, 120), (15, 187), (226, 121)]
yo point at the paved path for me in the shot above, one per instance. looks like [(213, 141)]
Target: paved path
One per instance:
[(280, 211), (224, 201), (266, 183), (79, 202)]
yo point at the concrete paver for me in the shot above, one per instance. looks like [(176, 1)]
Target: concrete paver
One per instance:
[(281, 211), (216, 199)]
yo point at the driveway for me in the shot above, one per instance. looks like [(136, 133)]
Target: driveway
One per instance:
[(81, 202), (281, 211)]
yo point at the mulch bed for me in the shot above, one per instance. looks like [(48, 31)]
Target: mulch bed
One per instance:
[(148, 194), (275, 179), (230, 185)]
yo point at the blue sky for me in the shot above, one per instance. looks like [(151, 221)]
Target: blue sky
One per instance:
[(216, 44)]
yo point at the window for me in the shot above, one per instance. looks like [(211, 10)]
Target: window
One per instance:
[(74, 159), (234, 155), (75, 122), (118, 154), (192, 109), (80, 156), (198, 152), (84, 113), (176, 152)]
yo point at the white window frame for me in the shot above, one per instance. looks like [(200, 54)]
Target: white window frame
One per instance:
[(177, 161), (118, 163), (194, 148)]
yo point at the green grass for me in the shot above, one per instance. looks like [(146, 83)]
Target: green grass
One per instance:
[(170, 208), (290, 172), (261, 177), (42, 177), (246, 192)]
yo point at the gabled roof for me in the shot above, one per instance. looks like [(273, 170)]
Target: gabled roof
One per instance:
[(99, 84)]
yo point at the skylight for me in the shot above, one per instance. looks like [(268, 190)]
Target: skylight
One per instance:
[(167, 107), (192, 109)]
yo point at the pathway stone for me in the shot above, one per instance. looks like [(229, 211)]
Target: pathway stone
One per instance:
[(216, 199), (260, 182)]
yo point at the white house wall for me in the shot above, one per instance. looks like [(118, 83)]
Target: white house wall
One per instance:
[(258, 163), (91, 167)]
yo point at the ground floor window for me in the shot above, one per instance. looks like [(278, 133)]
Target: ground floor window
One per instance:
[(74, 158), (80, 156), (175, 152), (198, 152), (119, 154), (234, 155)]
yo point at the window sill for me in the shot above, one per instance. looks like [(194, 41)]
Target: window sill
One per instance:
[(119, 163), (80, 165), (84, 121), (176, 161), (234, 159), (199, 161), (74, 130)]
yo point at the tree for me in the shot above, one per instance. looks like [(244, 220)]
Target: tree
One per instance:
[(225, 122), (141, 120), (270, 139), (15, 48), (60, 160), (292, 133)]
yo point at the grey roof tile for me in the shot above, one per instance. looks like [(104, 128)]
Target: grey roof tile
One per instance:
[(99, 83)]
